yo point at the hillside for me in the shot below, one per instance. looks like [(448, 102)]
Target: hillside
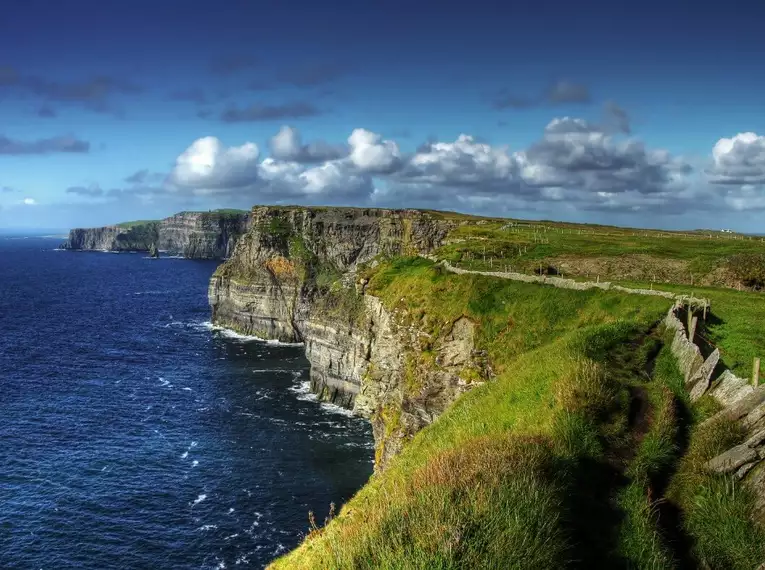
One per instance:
[(517, 425)]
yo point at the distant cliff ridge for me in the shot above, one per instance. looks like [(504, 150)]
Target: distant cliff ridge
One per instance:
[(196, 235)]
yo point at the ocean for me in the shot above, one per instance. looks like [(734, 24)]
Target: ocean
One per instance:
[(133, 434)]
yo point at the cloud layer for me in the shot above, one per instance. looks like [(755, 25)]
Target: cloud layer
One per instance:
[(575, 164)]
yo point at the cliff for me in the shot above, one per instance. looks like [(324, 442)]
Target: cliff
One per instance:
[(196, 235), (296, 276)]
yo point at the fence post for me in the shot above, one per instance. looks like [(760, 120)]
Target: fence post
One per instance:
[(756, 373), (692, 329)]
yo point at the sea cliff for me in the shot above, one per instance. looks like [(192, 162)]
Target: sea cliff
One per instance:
[(297, 275), (195, 235)]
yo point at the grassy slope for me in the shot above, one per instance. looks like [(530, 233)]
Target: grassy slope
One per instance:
[(488, 484), (679, 257), (541, 468)]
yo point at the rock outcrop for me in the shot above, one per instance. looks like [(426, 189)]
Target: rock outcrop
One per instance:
[(293, 277), (195, 235)]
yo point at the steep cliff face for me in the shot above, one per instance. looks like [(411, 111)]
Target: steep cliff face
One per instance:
[(114, 238), (196, 235), (210, 235), (293, 277)]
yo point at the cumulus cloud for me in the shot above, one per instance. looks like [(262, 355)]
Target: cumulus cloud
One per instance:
[(61, 144), (287, 145), (370, 153), (258, 112), (464, 162), (29, 202), (208, 167), (575, 164), (574, 154), (739, 160)]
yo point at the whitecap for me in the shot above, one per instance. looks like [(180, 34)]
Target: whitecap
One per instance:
[(335, 409), (231, 510), (185, 455), (194, 463), (198, 500), (187, 389), (230, 536), (207, 527), (232, 334)]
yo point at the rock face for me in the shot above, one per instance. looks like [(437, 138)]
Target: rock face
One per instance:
[(362, 356), (196, 235)]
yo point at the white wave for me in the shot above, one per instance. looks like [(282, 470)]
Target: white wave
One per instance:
[(193, 444), (207, 527), (163, 382), (232, 334), (335, 409), (198, 500), (185, 455), (194, 463), (187, 389), (230, 536)]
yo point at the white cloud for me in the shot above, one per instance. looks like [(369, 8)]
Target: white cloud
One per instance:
[(575, 165), (287, 144), (29, 202), (739, 160), (208, 167), (370, 153)]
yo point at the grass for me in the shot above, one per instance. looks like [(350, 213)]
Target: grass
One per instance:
[(134, 223), (717, 509), (499, 479), (610, 252), (734, 326)]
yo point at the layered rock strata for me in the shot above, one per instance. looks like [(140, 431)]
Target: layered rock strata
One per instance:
[(293, 277), (195, 235)]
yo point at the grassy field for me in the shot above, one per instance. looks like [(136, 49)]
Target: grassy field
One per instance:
[(610, 253), (546, 466)]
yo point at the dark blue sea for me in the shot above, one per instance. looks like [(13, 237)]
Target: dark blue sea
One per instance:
[(134, 435)]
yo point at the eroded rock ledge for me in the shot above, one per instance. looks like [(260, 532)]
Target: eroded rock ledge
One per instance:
[(292, 277)]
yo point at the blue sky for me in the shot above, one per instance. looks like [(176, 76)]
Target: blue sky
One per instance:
[(103, 105)]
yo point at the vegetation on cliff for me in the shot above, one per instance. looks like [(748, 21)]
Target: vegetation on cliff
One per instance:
[(551, 464), (574, 444)]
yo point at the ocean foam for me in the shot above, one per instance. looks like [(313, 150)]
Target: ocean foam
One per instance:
[(198, 500), (207, 527), (233, 335), (185, 455), (194, 463)]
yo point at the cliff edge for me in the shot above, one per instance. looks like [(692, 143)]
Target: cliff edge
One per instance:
[(297, 276)]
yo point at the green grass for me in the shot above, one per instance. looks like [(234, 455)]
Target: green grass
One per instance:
[(735, 324), (135, 223), (610, 252), (499, 479)]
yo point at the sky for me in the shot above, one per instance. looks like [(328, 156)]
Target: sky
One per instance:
[(648, 114)]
